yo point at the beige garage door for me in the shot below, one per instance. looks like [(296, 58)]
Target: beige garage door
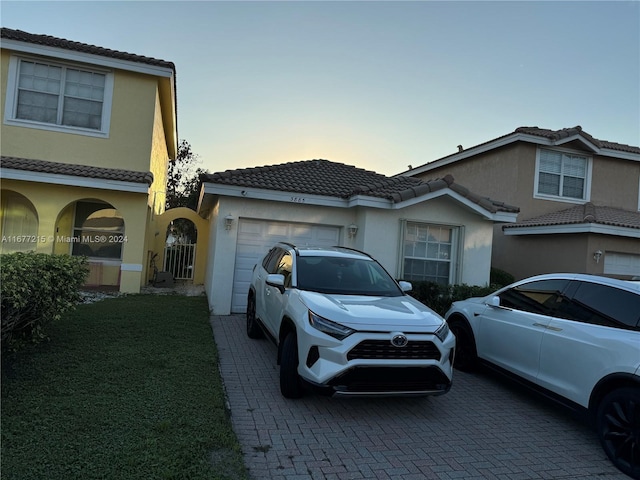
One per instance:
[(621, 264), (256, 237)]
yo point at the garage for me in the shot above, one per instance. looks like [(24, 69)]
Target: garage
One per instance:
[(622, 264), (256, 237)]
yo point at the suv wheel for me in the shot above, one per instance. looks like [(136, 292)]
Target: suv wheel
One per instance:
[(466, 357), (618, 426), (290, 386), (253, 329)]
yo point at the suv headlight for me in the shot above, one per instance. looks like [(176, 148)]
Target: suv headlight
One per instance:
[(443, 331), (330, 328)]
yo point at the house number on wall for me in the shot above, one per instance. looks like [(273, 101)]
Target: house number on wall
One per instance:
[(297, 199)]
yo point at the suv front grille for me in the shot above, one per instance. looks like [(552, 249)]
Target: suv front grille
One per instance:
[(383, 350)]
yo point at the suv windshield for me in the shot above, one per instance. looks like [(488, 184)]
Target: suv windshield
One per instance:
[(345, 276)]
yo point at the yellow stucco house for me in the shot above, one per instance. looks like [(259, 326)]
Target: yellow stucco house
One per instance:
[(86, 137)]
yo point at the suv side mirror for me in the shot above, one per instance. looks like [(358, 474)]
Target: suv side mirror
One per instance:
[(405, 286), (276, 280)]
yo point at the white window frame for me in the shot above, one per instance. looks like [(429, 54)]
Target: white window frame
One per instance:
[(587, 180), (456, 236), (11, 103)]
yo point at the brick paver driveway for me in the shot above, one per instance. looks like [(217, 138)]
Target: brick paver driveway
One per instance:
[(484, 428)]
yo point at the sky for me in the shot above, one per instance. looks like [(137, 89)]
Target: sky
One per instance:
[(374, 84)]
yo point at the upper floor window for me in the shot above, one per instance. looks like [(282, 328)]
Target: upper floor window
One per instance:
[(562, 175), (56, 96)]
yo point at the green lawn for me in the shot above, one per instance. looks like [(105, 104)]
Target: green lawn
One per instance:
[(127, 388)]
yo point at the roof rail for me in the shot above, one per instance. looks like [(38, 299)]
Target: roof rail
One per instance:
[(353, 250)]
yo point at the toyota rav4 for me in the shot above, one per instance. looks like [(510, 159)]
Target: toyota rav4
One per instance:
[(344, 326)]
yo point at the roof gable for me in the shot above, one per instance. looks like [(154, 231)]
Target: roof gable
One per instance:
[(573, 137), (332, 179)]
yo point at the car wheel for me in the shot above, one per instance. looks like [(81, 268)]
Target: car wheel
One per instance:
[(290, 385), (253, 329), (466, 357), (618, 426)]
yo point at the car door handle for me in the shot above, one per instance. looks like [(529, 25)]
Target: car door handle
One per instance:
[(547, 327)]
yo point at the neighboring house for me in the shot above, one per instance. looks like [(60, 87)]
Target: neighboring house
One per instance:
[(579, 200), (87, 134), (435, 230)]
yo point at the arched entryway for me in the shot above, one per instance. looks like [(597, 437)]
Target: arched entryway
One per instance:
[(181, 244), (95, 229), (19, 223)]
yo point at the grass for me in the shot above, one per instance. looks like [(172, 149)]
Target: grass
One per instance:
[(126, 388)]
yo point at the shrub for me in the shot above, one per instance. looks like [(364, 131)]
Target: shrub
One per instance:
[(440, 297), (37, 289), (500, 277)]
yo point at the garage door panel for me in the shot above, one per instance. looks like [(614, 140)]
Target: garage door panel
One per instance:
[(256, 237), (621, 264)]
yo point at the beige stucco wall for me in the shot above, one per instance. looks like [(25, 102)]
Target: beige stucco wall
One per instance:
[(508, 174), (52, 204), (379, 234), (130, 136), (159, 162)]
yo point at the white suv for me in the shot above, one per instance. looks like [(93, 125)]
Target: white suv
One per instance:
[(576, 337), (343, 325)]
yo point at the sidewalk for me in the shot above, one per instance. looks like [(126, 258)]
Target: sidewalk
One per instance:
[(484, 428)]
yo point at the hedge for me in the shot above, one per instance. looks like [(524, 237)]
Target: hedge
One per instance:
[(37, 289), (439, 297)]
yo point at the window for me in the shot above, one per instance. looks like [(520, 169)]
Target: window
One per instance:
[(98, 231), (51, 95), (539, 297), (562, 175), (428, 253), (602, 305)]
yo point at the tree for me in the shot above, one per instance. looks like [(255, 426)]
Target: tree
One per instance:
[(183, 181), (183, 188)]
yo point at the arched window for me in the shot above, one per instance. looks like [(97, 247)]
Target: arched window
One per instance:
[(98, 231), (19, 223)]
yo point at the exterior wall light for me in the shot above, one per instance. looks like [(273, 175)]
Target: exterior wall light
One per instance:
[(597, 255), (352, 230), (228, 221)]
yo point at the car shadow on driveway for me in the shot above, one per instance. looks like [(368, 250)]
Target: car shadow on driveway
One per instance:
[(484, 428)]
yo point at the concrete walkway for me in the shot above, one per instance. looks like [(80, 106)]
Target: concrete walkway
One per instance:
[(484, 428)]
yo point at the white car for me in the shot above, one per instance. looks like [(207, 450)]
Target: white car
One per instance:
[(343, 325), (574, 337)]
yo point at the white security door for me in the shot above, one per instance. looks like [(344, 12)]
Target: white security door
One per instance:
[(256, 237)]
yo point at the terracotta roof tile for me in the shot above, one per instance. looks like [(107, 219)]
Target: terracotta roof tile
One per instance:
[(326, 178), (49, 41), (582, 214), (556, 135), (103, 173)]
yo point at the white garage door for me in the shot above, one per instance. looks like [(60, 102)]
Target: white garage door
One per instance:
[(256, 237), (621, 264)]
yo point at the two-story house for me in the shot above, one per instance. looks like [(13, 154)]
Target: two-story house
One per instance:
[(87, 134), (579, 200)]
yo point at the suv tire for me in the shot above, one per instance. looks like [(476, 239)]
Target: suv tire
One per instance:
[(466, 356), (290, 385), (618, 427)]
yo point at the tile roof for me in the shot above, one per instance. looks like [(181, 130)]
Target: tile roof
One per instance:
[(582, 214), (42, 166), (556, 135), (49, 41), (326, 178)]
